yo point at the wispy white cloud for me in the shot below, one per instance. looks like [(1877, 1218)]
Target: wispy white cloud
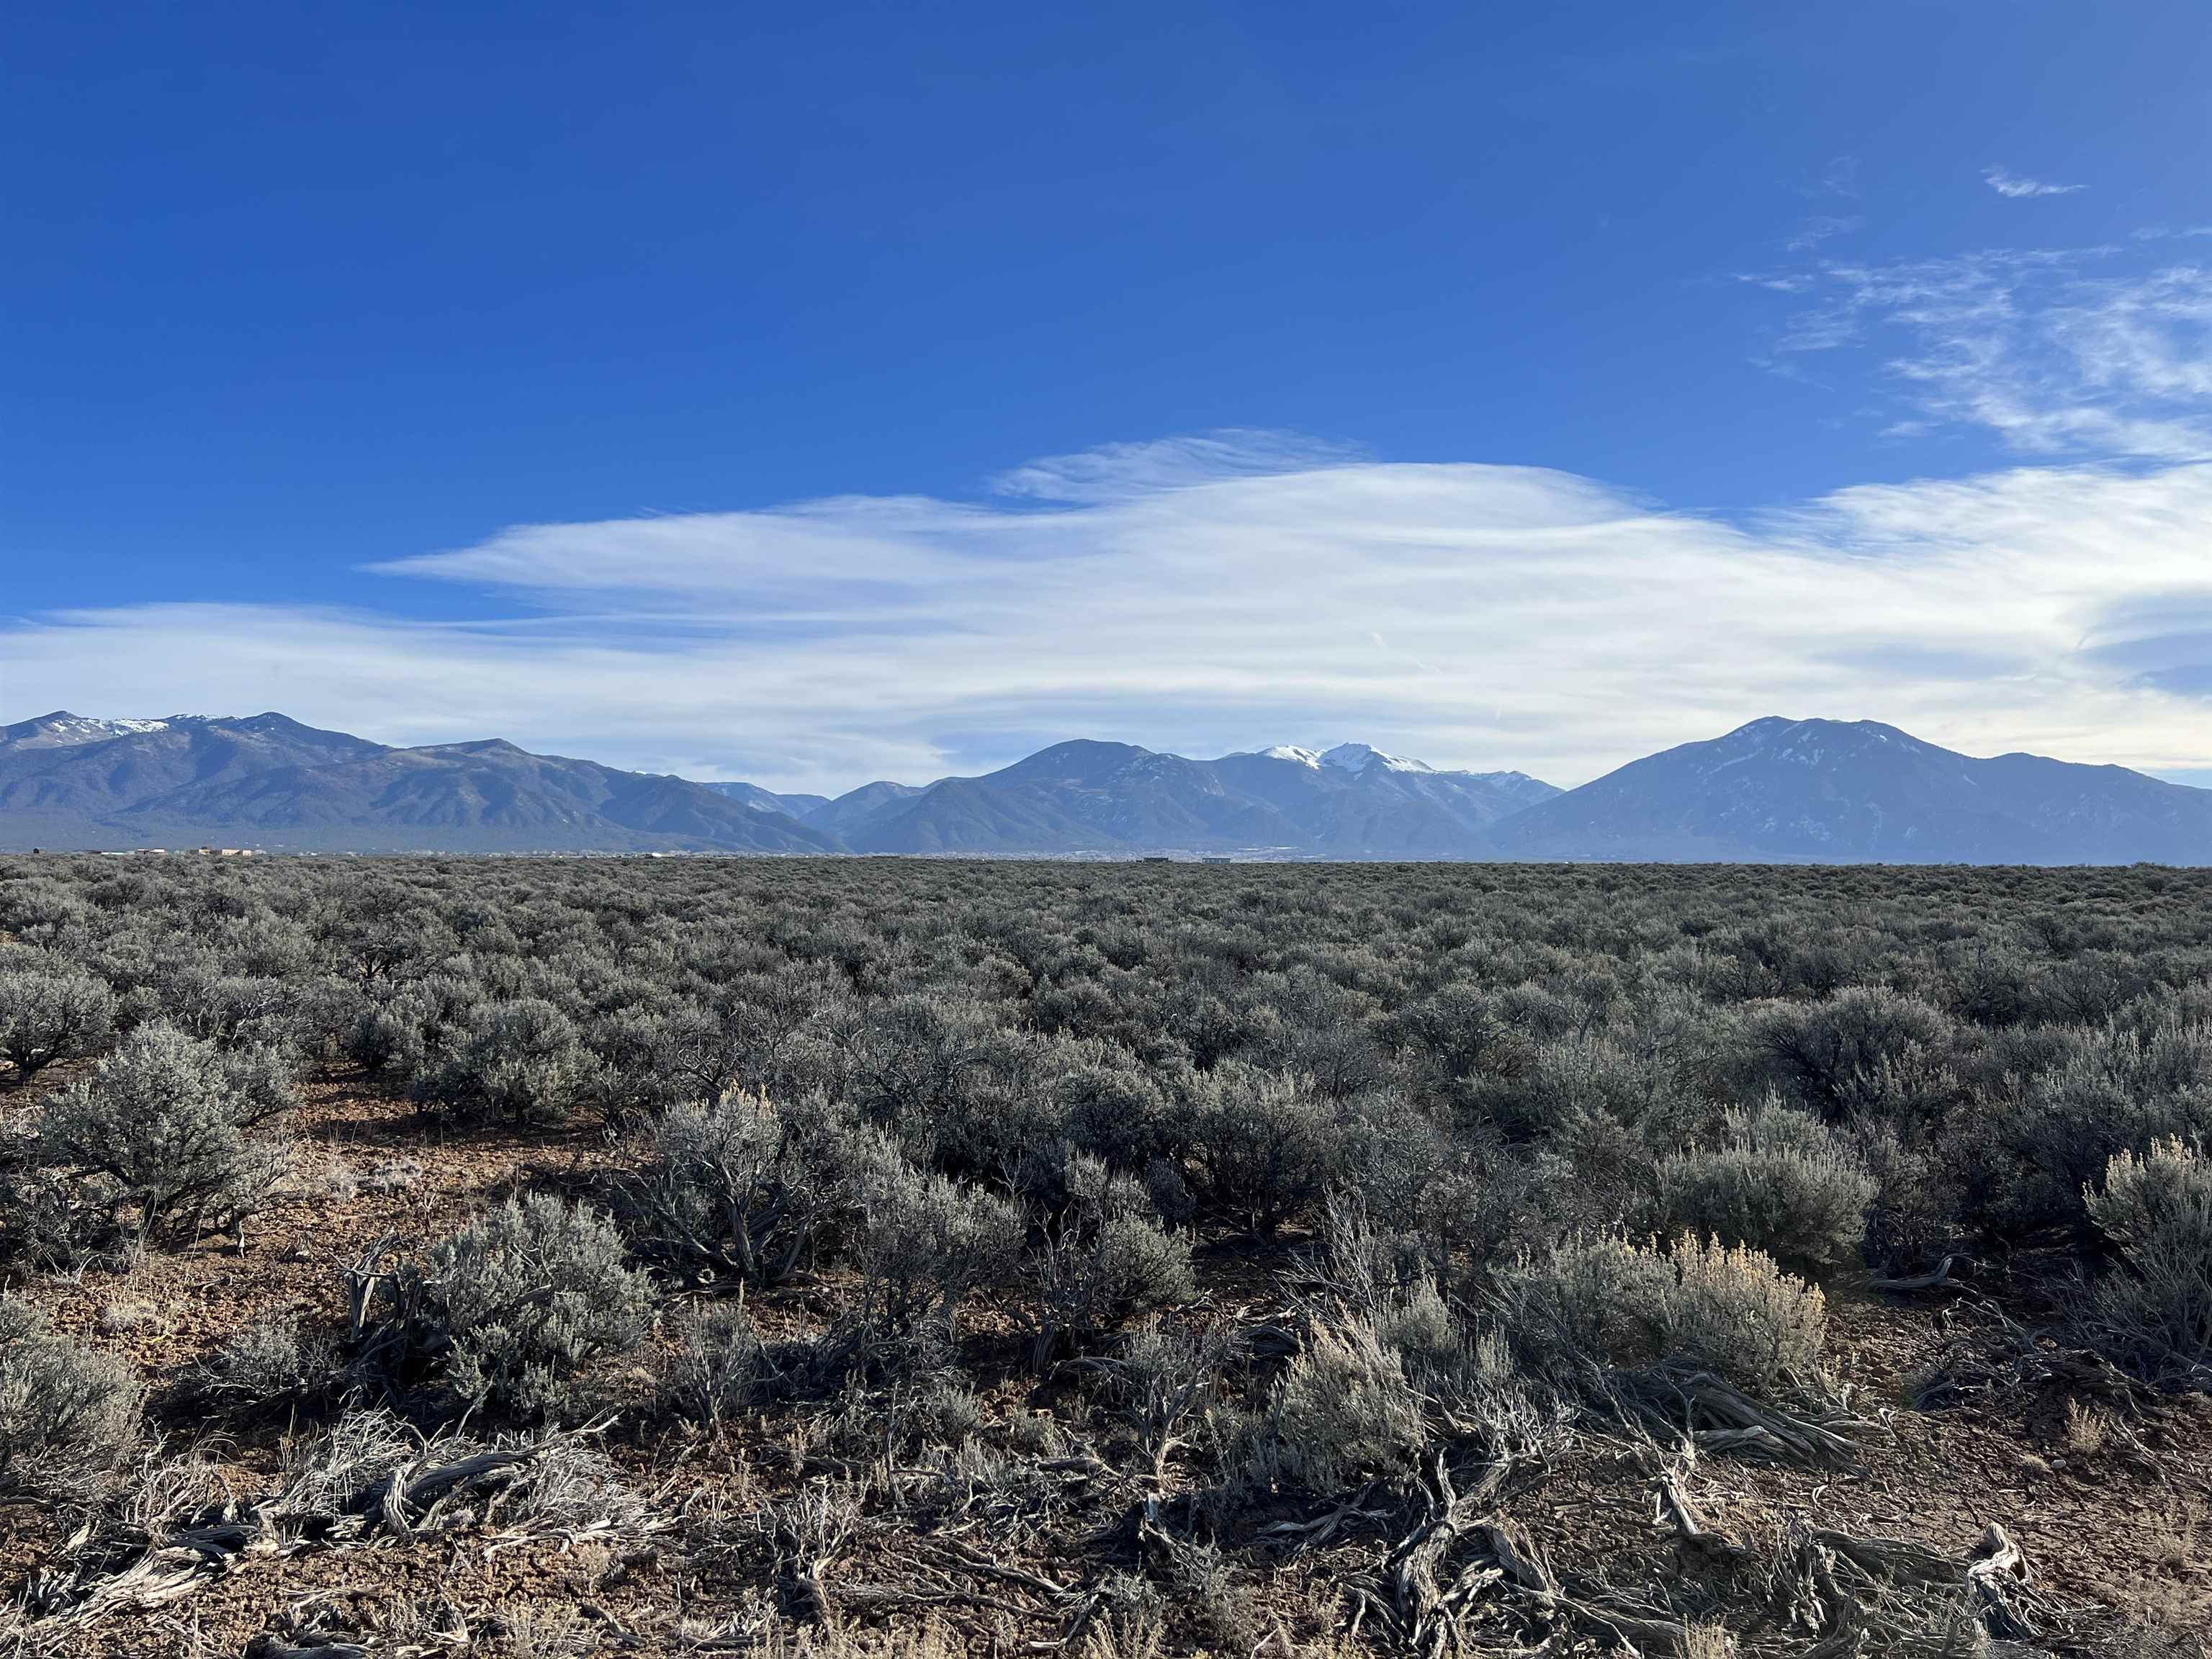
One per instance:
[(1471, 615), (1840, 177), (1117, 471), (2009, 184), (2059, 351), (1816, 230)]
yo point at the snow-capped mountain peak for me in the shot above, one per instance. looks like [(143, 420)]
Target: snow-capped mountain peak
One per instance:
[(1290, 752), (1359, 756), (63, 730)]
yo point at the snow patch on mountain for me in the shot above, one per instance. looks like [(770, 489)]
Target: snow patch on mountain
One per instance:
[(1359, 756), (63, 730)]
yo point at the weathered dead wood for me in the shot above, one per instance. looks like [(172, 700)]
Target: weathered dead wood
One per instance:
[(2007, 1357), (1716, 1416), (1677, 1509), (1807, 1596), (1413, 1594), (402, 1501), (1997, 1586), (891, 1598), (364, 1276), (962, 1558), (1319, 1529), (1895, 1560), (1847, 1589), (1037, 1597), (1636, 1633), (1428, 1611), (407, 1500), (1941, 1279)]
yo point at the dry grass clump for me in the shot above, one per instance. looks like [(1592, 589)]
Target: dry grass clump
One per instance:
[(68, 1415), (1343, 1412), (1612, 1302)]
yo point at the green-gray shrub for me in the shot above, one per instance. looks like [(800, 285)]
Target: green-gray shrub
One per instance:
[(1733, 1309), (68, 1415), (726, 1368), (1589, 1304), (522, 1058), (2154, 1313), (1104, 1261), (527, 1295), (1865, 1049), (1343, 1411), (166, 1138), (922, 1240), (2112, 1090), (46, 1016), (1263, 1145), (1418, 1327), (1781, 1180), (740, 1186)]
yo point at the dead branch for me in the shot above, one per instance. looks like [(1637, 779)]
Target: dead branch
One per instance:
[(1893, 1560), (1846, 1591), (1318, 1530), (1806, 1593), (1716, 1416), (1677, 1509), (402, 1500), (2010, 1359), (1412, 1595), (1941, 1279), (1997, 1586)]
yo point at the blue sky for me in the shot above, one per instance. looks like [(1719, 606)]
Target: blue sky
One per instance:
[(670, 385)]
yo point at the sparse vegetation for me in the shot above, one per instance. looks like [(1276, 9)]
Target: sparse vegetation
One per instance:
[(1147, 1259)]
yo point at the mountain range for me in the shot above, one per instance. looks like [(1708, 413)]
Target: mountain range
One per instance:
[(265, 781), (1775, 790)]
